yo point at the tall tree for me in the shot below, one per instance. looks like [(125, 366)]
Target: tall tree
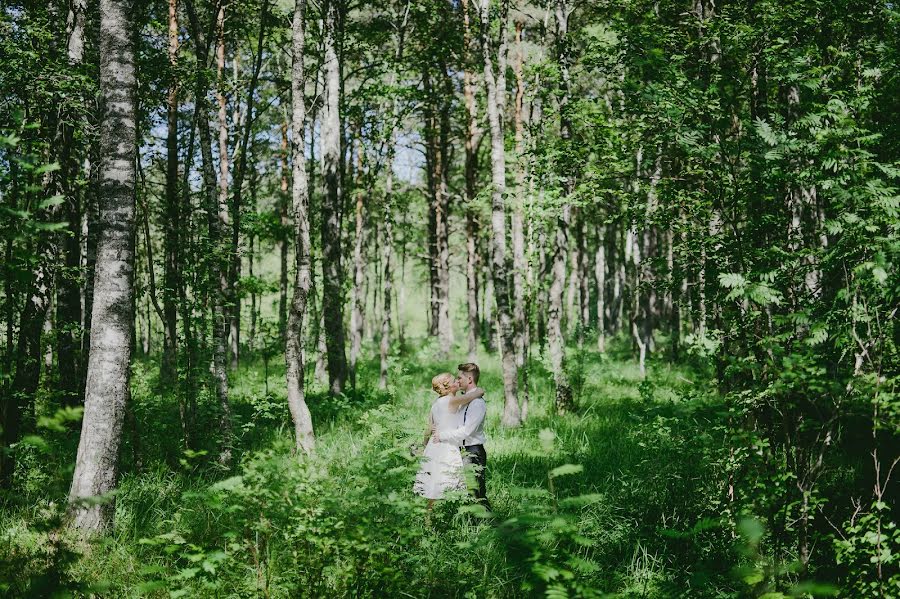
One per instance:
[(68, 295), (332, 273), (248, 116), (560, 236), (499, 267), (293, 355), (473, 141), (229, 291), (518, 213), (217, 221), (109, 361), (358, 299), (283, 207), (171, 221)]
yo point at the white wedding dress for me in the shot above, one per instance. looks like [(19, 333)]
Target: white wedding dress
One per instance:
[(442, 463)]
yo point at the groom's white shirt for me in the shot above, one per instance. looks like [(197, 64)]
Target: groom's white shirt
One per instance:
[(471, 429)]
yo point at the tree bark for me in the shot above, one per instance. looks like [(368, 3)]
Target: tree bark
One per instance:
[(217, 221), (600, 276), (500, 271), (332, 294), (387, 249), (109, 362), (518, 216), (357, 314), (560, 249), (230, 295), (68, 296), (473, 140), (303, 429), (445, 325), (172, 218), (283, 242), (234, 274)]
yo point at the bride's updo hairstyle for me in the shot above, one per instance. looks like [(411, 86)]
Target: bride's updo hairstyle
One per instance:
[(440, 384)]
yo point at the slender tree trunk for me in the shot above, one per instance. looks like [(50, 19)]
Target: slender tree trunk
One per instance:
[(172, 218), (240, 172), (68, 297), (445, 325), (573, 313), (283, 234), (473, 140), (109, 362), (387, 249), (633, 245), (499, 266), (584, 291), (188, 395), (433, 177), (357, 313), (217, 221), (230, 296), (555, 339), (518, 215), (251, 256), (303, 429), (332, 304), (600, 276)]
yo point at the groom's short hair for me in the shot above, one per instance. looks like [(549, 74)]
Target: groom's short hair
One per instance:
[(472, 369)]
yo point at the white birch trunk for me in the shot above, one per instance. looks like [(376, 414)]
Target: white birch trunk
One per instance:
[(109, 362)]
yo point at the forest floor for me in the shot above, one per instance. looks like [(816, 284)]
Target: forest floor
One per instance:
[(623, 496)]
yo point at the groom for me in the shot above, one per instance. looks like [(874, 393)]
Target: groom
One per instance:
[(470, 435)]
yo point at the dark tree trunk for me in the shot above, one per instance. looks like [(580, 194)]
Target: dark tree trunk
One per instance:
[(283, 242), (68, 296), (357, 314), (332, 284), (172, 217), (234, 270), (217, 218), (560, 247)]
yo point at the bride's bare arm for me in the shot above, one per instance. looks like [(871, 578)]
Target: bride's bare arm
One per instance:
[(465, 399), (428, 429)]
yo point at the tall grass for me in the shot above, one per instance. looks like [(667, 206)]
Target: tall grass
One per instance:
[(640, 517)]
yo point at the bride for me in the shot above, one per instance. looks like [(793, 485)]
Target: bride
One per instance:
[(442, 467)]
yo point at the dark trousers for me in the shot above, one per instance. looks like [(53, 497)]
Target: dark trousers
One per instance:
[(477, 456)]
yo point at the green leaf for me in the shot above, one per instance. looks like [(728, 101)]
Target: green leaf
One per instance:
[(764, 130), (581, 500), (52, 201), (35, 441), (566, 469), (817, 336), (229, 484), (47, 168), (732, 280), (51, 226)]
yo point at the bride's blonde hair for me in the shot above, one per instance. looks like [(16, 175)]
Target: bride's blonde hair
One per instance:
[(440, 384)]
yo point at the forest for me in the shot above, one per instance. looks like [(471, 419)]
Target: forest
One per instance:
[(242, 239)]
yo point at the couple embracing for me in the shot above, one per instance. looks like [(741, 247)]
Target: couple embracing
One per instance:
[(454, 437)]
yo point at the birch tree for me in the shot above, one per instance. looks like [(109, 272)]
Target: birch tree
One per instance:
[(499, 266), (109, 361)]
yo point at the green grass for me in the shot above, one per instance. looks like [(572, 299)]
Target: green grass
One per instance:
[(347, 524)]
